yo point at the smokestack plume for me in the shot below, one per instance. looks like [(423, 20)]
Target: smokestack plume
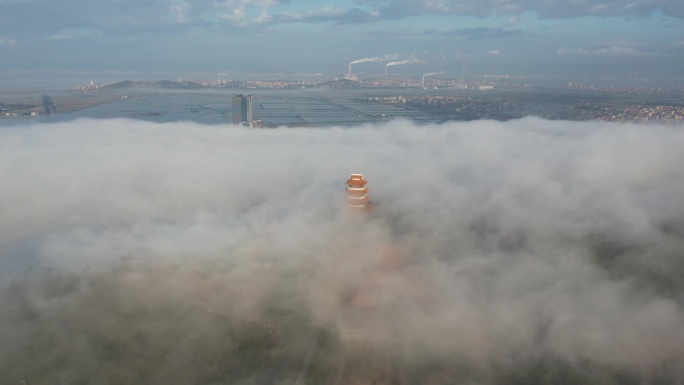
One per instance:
[(404, 62), (378, 59), (430, 74)]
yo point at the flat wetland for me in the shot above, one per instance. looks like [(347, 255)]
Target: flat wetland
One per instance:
[(303, 107)]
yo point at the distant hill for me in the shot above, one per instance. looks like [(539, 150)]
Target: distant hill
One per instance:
[(176, 85), (124, 84), (165, 84)]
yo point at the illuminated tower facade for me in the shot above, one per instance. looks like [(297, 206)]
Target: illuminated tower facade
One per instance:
[(242, 109), (357, 192)]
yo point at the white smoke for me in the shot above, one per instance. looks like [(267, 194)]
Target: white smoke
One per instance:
[(490, 241), (404, 62), (378, 59), (433, 73)]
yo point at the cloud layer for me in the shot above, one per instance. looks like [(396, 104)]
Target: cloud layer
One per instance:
[(155, 249), (129, 14), (202, 38)]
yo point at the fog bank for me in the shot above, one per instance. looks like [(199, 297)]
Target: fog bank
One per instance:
[(134, 251)]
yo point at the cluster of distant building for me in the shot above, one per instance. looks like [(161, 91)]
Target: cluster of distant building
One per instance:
[(464, 107), (12, 110), (260, 84), (427, 81), (625, 89), (432, 82), (20, 114), (88, 87), (630, 113)]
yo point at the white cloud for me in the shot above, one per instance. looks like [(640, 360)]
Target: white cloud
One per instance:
[(610, 51), (7, 42), (328, 13), (244, 12), (513, 21), (619, 51), (494, 52), (572, 51), (180, 9), (544, 8), (437, 5), (76, 33), (237, 12)]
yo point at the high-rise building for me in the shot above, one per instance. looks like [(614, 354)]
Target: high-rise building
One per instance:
[(242, 109), (357, 192)]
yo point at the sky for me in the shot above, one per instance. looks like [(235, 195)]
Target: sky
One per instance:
[(131, 248), (122, 38)]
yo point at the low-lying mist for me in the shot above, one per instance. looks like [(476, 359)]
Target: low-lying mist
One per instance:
[(522, 252)]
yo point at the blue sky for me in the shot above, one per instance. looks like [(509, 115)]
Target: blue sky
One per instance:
[(518, 37)]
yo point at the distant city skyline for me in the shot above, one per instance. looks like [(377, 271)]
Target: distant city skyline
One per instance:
[(641, 38)]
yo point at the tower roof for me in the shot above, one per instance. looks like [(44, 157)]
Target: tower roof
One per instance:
[(357, 193)]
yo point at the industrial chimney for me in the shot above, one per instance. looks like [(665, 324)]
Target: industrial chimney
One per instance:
[(357, 192)]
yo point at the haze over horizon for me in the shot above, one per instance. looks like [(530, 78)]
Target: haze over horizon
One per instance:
[(120, 40)]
